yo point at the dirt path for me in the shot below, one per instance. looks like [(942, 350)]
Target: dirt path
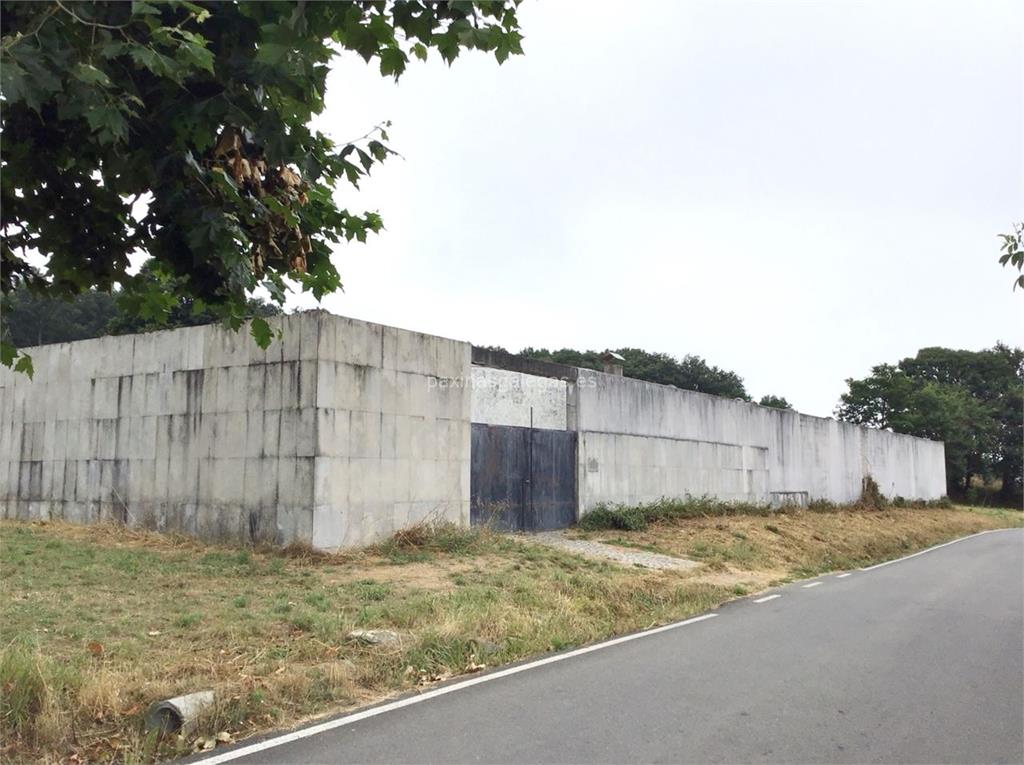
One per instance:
[(614, 553)]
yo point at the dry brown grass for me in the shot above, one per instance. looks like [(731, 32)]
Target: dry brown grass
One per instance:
[(109, 620), (96, 623), (762, 550)]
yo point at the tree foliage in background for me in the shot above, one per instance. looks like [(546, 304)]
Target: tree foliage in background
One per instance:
[(1013, 252), (136, 315), (689, 373), (972, 400), (32, 319), (775, 402), (200, 109)]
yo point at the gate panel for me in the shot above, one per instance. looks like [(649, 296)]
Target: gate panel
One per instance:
[(552, 480), (499, 462), (522, 479)]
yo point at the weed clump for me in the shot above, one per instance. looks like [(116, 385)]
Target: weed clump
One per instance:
[(638, 517), (823, 506), (871, 497), (421, 542), (29, 703), (620, 517), (24, 688)]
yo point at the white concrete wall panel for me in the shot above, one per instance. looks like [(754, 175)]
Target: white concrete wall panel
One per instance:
[(503, 397), (641, 441), (634, 469), (393, 431)]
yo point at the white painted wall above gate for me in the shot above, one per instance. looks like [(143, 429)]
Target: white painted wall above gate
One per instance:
[(503, 397)]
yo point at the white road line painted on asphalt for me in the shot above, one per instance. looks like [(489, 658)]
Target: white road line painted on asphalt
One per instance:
[(340, 722), (812, 584), (843, 576), (929, 549), (766, 598)]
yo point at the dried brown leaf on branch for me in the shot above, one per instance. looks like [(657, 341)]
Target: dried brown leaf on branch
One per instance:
[(274, 240)]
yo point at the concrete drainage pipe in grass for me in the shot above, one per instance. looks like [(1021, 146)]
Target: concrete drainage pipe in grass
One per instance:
[(178, 714)]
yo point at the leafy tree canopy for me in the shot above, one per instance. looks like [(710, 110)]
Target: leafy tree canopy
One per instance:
[(689, 373), (135, 314), (776, 402), (200, 109), (972, 400)]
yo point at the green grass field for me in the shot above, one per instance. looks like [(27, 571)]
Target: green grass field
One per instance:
[(97, 623)]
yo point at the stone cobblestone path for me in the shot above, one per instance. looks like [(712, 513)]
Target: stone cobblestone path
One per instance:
[(621, 555)]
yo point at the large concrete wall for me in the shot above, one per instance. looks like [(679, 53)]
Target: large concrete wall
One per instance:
[(639, 442), (343, 432), (336, 435)]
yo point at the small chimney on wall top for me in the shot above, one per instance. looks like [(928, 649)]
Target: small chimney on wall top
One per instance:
[(612, 363)]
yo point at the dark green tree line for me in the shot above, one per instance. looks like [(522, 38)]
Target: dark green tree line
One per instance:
[(33, 319), (30, 319), (689, 373), (972, 400)]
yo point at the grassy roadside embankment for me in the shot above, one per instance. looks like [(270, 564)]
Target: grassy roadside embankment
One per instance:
[(98, 622)]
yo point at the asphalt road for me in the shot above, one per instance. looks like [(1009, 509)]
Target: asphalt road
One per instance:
[(921, 660)]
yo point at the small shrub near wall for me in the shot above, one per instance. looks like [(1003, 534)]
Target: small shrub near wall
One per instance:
[(871, 497)]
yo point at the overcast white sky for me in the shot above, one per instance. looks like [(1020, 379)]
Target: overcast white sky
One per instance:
[(794, 191)]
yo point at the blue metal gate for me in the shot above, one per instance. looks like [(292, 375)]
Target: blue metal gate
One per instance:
[(522, 479)]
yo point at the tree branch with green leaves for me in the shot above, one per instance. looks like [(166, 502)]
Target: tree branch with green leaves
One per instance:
[(1013, 252), (203, 108)]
